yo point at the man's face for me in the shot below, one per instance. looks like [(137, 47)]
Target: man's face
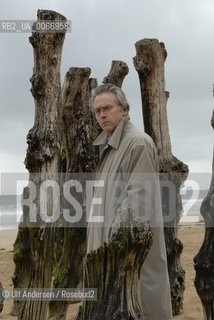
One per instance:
[(108, 113)]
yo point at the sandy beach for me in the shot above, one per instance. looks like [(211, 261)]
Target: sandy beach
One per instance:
[(190, 234)]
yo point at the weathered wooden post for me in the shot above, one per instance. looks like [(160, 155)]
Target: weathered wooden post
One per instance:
[(149, 63), (204, 260), (78, 157), (114, 269), (33, 249), (117, 73)]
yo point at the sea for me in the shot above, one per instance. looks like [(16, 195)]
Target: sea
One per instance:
[(11, 209)]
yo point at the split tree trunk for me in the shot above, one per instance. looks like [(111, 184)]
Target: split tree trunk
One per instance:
[(78, 157), (33, 249), (204, 260), (149, 63)]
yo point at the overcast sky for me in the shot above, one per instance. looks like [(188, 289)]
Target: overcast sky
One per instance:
[(106, 30)]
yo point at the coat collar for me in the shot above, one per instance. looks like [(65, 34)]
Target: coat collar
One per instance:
[(114, 139)]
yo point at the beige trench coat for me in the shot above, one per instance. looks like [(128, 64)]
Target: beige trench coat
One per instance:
[(128, 175)]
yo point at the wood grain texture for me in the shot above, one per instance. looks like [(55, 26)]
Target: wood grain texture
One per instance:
[(149, 64)]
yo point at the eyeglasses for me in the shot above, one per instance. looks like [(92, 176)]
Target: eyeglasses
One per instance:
[(105, 110)]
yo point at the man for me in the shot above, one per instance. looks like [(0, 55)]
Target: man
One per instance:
[(128, 175)]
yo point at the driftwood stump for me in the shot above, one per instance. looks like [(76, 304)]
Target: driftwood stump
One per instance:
[(204, 260), (33, 249), (149, 63), (117, 73), (114, 269), (78, 157)]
